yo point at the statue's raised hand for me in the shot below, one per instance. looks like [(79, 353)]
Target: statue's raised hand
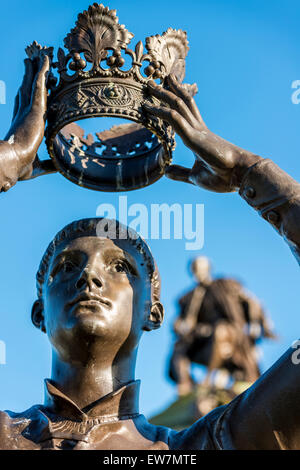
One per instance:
[(219, 165), (18, 152)]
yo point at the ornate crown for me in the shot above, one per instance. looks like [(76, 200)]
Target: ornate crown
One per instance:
[(95, 80)]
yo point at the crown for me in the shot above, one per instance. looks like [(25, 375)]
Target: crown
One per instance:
[(94, 79)]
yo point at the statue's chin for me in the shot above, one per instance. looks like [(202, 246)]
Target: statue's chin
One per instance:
[(89, 322)]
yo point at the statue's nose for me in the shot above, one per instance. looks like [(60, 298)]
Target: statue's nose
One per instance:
[(89, 279)]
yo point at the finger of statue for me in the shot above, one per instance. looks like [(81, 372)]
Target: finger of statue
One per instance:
[(38, 168), (16, 106), (179, 173), (180, 125), (174, 101), (39, 91), (43, 167), (5, 187), (180, 91), (29, 133), (26, 87)]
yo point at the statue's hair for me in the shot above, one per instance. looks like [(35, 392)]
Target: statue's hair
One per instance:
[(90, 227)]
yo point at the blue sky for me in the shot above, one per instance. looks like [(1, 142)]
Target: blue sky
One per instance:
[(244, 57)]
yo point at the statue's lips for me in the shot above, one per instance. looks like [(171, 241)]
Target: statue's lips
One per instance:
[(89, 300)]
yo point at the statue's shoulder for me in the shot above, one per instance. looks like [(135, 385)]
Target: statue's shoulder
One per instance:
[(186, 297), (13, 424), (4, 418), (204, 434), (30, 413)]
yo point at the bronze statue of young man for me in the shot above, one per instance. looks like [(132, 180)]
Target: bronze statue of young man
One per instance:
[(97, 295)]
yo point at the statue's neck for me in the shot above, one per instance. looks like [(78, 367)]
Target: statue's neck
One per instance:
[(86, 383)]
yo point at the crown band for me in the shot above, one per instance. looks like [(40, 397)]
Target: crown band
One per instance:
[(111, 171)]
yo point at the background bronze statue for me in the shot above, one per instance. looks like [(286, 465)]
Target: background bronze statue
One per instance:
[(18, 152), (96, 296), (218, 326)]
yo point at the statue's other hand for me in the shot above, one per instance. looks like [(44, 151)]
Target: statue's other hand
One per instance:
[(18, 151), (219, 164)]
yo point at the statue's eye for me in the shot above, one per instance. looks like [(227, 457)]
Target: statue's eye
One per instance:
[(68, 267), (121, 267)]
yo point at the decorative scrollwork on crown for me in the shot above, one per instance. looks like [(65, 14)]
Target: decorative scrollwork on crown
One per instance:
[(168, 53), (96, 31), (99, 39)]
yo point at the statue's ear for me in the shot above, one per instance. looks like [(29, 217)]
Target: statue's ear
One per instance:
[(37, 315), (155, 317)]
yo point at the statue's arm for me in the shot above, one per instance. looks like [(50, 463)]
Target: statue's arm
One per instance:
[(266, 416), (18, 151), (221, 166)]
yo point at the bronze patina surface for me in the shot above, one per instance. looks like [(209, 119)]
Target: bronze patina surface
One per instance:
[(97, 295), (19, 160), (95, 81)]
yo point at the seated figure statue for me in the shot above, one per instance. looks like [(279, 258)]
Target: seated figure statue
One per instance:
[(98, 294)]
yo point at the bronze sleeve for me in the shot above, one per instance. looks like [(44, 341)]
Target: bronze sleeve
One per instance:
[(276, 197)]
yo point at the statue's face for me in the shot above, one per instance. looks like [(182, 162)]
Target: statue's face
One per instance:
[(96, 288), (201, 269)]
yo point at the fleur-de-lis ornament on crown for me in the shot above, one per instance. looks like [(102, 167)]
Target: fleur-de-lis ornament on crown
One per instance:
[(94, 80)]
